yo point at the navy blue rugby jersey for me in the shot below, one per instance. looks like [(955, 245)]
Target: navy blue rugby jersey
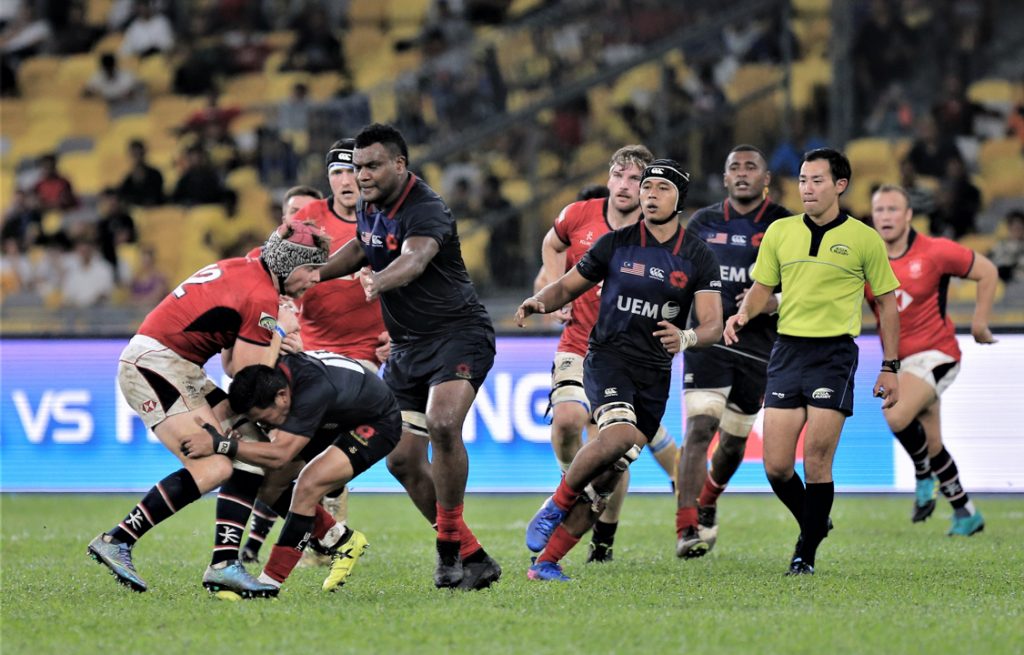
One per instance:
[(332, 393), (442, 299), (735, 238), (645, 282)]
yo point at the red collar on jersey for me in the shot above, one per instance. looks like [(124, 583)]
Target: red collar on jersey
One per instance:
[(675, 248), (764, 206)]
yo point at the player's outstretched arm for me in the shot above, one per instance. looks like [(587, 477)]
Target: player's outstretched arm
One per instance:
[(344, 261), (552, 255), (416, 255), (560, 292), (985, 273), (274, 454)]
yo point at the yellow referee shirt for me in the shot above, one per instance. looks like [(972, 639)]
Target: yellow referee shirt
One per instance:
[(822, 271)]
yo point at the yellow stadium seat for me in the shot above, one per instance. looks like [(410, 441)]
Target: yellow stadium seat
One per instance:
[(750, 78), (994, 151), (921, 224), (281, 40), (324, 85), (244, 90), (243, 178), (36, 75), (517, 191), (475, 236), (109, 43), (992, 91), (86, 172), (367, 12), (807, 74), (89, 117), (812, 6), (157, 74), (74, 72)]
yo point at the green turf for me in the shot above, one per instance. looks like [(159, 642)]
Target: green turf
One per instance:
[(883, 586)]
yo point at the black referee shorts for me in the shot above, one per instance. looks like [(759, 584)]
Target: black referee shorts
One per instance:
[(806, 371)]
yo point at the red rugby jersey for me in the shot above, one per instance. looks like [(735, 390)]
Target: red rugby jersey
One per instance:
[(924, 271), (231, 299), (579, 226), (335, 314)]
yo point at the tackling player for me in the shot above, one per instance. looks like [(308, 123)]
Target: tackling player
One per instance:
[(233, 305), (575, 230), (724, 385), (335, 317), (929, 354), (651, 275), (320, 408)]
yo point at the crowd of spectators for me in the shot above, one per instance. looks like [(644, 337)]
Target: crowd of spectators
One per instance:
[(913, 62)]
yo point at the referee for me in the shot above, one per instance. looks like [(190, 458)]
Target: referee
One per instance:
[(822, 260)]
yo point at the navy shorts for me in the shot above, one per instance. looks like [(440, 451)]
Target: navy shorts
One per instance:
[(608, 379), (812, 371), (718, 367), (413, 368), (364, 445)]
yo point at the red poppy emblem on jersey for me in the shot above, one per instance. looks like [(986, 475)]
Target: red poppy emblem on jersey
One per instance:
[(678, 279), (463, 371), (148, 406), (366, 431), (391, 242)]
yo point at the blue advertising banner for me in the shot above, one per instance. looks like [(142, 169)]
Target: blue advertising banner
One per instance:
[(64, 425)]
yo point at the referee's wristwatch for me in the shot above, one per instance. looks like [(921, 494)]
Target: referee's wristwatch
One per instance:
[(891, 365)]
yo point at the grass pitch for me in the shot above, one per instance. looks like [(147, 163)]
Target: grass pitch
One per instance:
[(883, 585)]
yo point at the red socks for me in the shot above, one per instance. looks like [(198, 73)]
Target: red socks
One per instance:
[(565, 496), (452, 527), (561, 542), (685, 517), (710, 493), (282, 560), (322, 522)]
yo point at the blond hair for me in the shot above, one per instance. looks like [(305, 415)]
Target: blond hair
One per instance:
[(636, 155)]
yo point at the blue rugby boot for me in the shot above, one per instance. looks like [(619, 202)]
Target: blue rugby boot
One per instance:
[(924, 499), (543, 523), (965, 526), (547, 572), (232, 577), (117, 556)]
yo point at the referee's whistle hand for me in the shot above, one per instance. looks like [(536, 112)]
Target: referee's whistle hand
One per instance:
[(732, 327)]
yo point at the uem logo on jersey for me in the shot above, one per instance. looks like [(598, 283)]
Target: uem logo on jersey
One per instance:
[(644, 308)]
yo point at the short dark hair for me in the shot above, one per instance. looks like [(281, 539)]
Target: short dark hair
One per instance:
[(838, 164), (255, 386), (385, 135), (746, 147), (1014, 216), (302, 190)]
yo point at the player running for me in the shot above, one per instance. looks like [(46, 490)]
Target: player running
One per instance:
[(574, 232), (652, 273), (724, 385), (929, 354)]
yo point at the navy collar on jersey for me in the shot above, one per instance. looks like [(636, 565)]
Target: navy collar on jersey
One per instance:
[(726, 206), (401, 198), (679, 239)]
